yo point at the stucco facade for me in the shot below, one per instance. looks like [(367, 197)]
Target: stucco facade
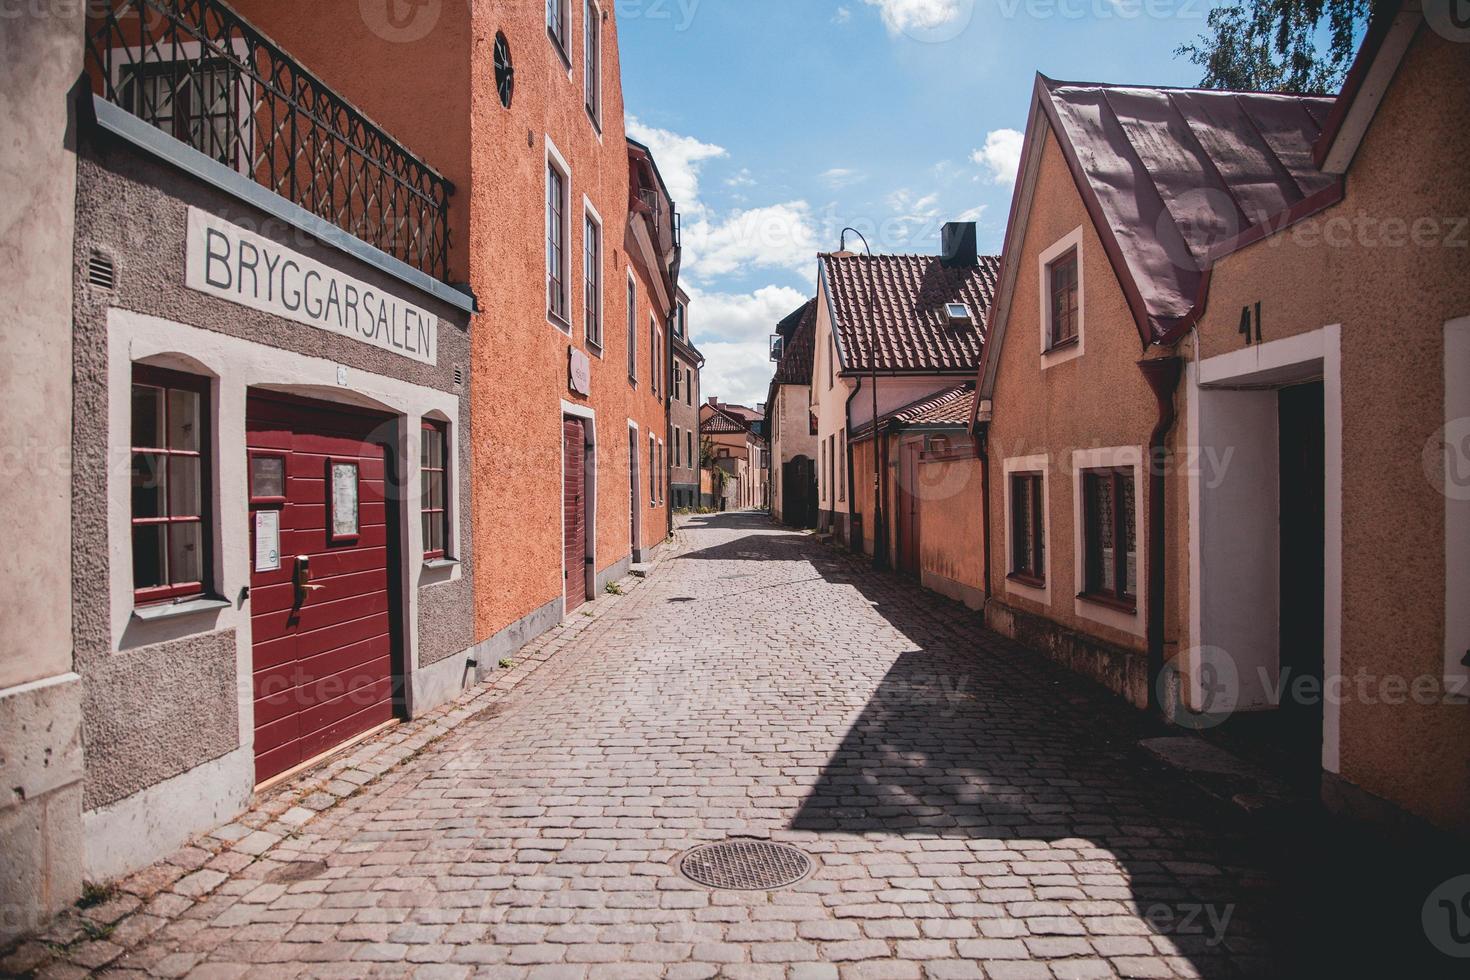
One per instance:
[(498, 159), (1349, 309), (791, 437), (40, 695), (684, 403)]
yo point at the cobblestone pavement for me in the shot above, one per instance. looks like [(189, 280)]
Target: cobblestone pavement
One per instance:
[(973, 812)]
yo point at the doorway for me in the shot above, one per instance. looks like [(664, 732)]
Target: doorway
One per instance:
[(635, 512), (1265, 547), (574, 511), (908, 507), (325, 596)]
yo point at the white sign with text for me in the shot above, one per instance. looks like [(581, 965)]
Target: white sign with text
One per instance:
[(228, 261)]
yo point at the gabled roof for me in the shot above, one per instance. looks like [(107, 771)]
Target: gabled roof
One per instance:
[(800, 331), (1173, 177), (721, 424), (888, 311), (947, 409)]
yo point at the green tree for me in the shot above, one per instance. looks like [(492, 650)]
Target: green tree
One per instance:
[(1279, 45)]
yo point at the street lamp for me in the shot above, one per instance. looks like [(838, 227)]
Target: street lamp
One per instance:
[(880, 537)]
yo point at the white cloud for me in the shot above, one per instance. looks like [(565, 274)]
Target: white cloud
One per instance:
[(733, 330), (973, 214), (840, 177), (924, 18), (742, 178), (842, 15), (777, 236), (679, 159), (1001, 155)]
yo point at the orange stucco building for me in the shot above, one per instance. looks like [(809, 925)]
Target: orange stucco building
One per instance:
[(542, 353), (1264, 532)]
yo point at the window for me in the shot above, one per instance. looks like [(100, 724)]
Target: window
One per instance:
[(958, 313), (556, 245), (652, 471), (170, 485), (661, 475), (1109, 546), (680, 315), (632, 329), (558, 15), (1028, 538), (592, 274), (678, 455), (198, 102), (689, 448), (678, 382), (831, 359), (434, 479), (592, 63), (1062, 317), (688, 387), (653, 352)]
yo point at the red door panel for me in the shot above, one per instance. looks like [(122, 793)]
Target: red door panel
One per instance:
[(323, 656), (574, 517)]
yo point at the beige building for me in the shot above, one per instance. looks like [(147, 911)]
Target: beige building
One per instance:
[(739, 451), (891, 330), (1222, 410), (788, 411)]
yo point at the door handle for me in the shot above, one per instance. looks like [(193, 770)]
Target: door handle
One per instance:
[(301, 575)]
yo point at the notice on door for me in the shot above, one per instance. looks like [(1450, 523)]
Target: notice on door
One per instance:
[(267, 540), (227, 261)]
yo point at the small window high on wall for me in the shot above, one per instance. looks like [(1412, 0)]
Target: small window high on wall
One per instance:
[(170, 485)]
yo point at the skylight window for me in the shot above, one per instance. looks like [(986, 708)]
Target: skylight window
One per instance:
[(958, 313)]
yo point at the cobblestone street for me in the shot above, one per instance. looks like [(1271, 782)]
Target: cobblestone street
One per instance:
[(972, 811)]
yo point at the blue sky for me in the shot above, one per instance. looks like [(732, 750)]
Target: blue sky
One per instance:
[(777, 122)]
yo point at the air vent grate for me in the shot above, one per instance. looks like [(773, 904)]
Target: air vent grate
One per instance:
[(458, 375), (101, 272)]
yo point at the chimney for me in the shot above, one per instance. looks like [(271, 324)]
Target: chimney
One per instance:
[(957, 242), (714, 402)]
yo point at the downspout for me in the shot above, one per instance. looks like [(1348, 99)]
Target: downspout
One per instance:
[(847, 460), (1162, 375), (982, 452)]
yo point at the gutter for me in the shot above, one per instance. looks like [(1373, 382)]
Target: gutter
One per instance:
[(1162, 375)]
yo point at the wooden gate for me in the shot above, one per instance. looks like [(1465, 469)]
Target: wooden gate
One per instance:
[(574, 510), (799, 492)]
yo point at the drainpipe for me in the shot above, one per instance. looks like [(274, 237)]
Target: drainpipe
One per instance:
[(847, 462), (1162, 375), (982, 451)]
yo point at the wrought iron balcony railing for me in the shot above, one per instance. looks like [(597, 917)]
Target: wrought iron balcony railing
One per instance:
[(200, 72)]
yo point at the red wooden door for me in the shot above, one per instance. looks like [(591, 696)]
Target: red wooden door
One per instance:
[(322, 617), (908, 508), (574, 510)]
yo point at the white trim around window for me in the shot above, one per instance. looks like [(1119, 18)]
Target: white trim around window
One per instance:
[(1028, 464), (1051, 358), (594, 279), (555, 161), (632, 327), (1114, 457)]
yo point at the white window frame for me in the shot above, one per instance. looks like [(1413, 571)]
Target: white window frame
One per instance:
[(652, 470), (1116, 458), (663, 470), (554, 160), (653, 340), (1030, 464), (590, 214), (1051, 358), (592, 81)]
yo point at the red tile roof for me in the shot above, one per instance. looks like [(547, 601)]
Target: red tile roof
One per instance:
[(889, 311), (800, 331), (1174, 177), (721, 424)]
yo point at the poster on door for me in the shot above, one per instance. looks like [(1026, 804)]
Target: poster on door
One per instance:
[(267, 540)]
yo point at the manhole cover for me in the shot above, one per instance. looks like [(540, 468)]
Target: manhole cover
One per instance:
[(745, 865)]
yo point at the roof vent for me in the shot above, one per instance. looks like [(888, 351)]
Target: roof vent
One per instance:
[(957, 243), (101, 272)]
